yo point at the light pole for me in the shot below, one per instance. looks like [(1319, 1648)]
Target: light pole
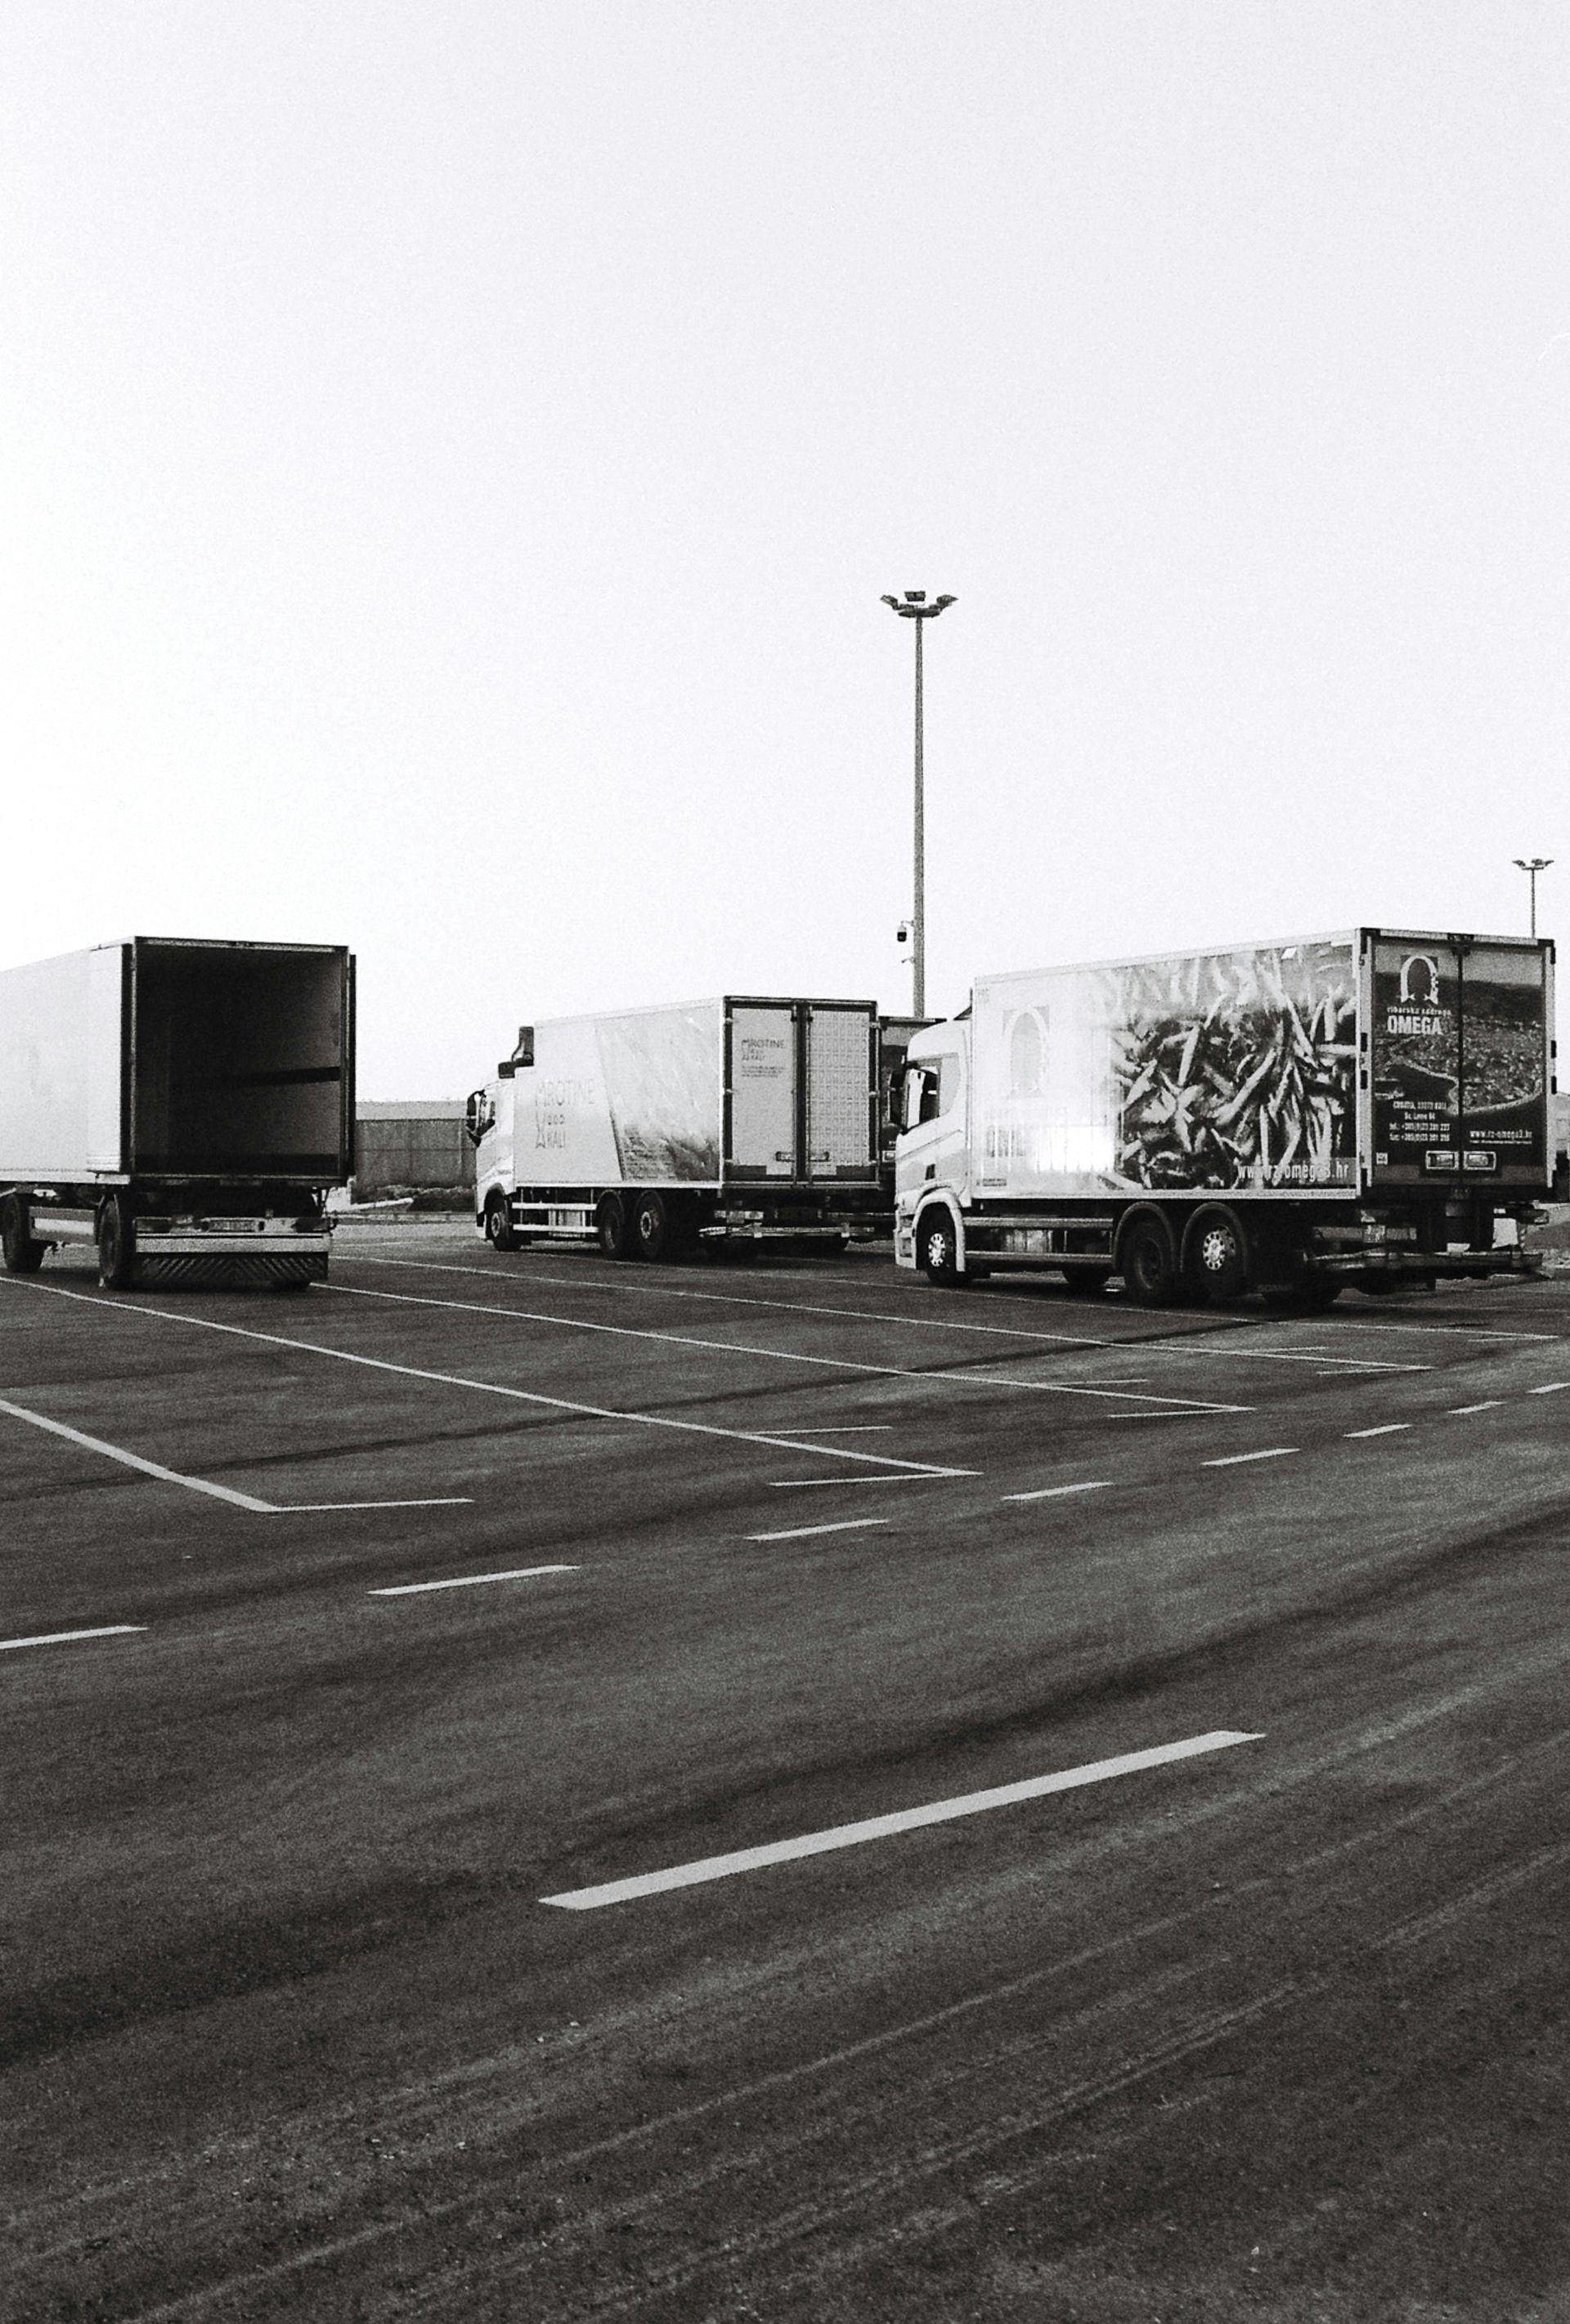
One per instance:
[(1531, 865), (914, 607)]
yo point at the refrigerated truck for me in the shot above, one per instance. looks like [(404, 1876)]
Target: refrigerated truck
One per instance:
[(184, 1105), (1369, 1107), (650, 1130)]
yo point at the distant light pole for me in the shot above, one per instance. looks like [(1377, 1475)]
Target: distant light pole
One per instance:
[(914, 607), (1531, 865)]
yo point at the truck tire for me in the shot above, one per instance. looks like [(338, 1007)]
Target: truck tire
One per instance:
[(938, 1249), (116, 1242), (23, 1253), (1149, 1264), (613, 1226), (662, 1227), (500, 1232), (1216, 1255)]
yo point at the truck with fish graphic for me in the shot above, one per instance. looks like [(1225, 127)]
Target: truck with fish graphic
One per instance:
[(1369, 1107)]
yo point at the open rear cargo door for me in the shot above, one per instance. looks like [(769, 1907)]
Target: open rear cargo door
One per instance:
[(1460, 1060), (242, 1061)]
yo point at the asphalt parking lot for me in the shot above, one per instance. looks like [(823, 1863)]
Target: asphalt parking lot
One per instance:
[(543, 1788)]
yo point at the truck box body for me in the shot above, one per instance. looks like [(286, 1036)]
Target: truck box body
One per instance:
[(749, 1114), (1312, 1076), (172, 1068)]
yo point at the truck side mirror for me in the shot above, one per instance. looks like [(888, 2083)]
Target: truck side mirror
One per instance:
[(523, 1048)]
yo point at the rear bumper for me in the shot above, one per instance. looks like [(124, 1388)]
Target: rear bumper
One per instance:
[(1405, 1263)]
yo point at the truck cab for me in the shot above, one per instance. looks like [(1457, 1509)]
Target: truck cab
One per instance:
[(932, 1152)]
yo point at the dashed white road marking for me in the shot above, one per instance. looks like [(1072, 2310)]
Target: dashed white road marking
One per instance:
[(805, 1532), (852, 1835), (1391, 1428), (60, 1638), (851, 1428), (1553, 1387), (1236, 1460), (798, 1484), (484, 1388), (308, 1508), (733, 1348), (1057, 1492), (1488, 1404), (467, 1581)]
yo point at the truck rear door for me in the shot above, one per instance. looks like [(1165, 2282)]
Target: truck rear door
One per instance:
[(761, 1081), (1459, 1057), (841, 1091)]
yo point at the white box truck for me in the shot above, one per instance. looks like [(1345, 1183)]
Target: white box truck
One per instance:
[(184, 1105), (1371, 1107), (650, 1130)]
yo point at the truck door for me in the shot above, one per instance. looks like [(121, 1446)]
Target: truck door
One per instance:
[(841, 1094), (763, 1131), (1458, 1042)]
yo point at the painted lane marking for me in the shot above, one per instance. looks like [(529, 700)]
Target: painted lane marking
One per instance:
[(1555, 1387), (202, 1484), (488, 1387), (805, 1532), (1236, 1460), (1200, 1344), (134, 1459), (468, 1581), (852, 1835), (851, 1428), (60, 1637), (1488, 1404), (779, 1355), (796, 1484), (1391, 1428), (1056, 1492), (308, 1508)]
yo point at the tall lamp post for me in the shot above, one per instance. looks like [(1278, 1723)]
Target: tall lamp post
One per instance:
[(1531, 865), (913, 607)]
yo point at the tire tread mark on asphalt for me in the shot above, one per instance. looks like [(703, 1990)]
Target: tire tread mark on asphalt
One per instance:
[(512, 2116), (877, 2185)]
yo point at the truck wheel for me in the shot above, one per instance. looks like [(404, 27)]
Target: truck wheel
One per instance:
[(116, 1243), (938, 1249), (23, 1254), (656, 1227), (614, 1227), (499, 1232), (1149, 1264), (1216, 1255)]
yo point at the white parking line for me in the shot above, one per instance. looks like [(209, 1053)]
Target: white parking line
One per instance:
[(202, 1484), (1391, 1428), (850, 1428), (852, 1835), (1056, 1493), (1488, 1404), (488, 1387), (60, 1638), (133, 1460), (1555, 1387), (781, 1355), (805, 1532), (1200, 1342), (468, 1581), (1236, 1460)]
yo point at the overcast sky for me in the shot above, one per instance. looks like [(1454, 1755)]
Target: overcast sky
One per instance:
[(451, 457)]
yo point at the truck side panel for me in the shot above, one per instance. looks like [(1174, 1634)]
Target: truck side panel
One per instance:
[(626, 1099), (1229, 1070), (61, 1083)]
